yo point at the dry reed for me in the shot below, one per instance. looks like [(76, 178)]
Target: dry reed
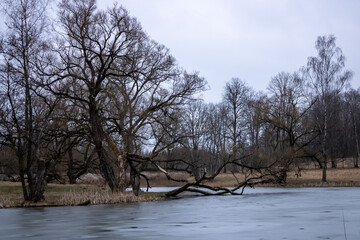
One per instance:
[(69, 195), (105, 197)]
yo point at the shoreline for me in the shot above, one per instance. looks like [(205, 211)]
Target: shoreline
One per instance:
[(61, 195), (160, 196)]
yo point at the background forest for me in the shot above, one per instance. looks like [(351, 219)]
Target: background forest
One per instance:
[(90, 92)]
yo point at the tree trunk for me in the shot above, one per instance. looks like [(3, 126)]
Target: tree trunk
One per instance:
[(225, 170), (196, 165), (333, 162), (324, 167), (70, 171), (105, 166), (324, 153), (357, 153), (196, 173), (22, 176), (107, 169), (135, 179), (122, 163), (324, 142), (97, 135), (319, 162), (38, 189)]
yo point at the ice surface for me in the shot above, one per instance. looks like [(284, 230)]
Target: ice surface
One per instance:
[(262, 213)]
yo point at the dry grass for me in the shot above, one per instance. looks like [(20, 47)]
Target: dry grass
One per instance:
[(342, 177), (69, 195), (339, 177), (105, 197), (10, 194), (81, 194)]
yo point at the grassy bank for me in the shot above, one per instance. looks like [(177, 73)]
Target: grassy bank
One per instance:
[(69, 195), (339, 177), (85, 194)]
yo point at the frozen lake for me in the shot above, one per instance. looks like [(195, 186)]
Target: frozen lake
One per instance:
[(262, 213)]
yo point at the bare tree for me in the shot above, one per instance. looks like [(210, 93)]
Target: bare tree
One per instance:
[(255, 119), (286, 114), (146, 106), (124, 81), (91, 46), (328, 77), (27, 104), (195, 127), (234, 147), (217, 125), (236, 99)]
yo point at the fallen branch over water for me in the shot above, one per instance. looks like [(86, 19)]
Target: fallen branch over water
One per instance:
[(198, 187)]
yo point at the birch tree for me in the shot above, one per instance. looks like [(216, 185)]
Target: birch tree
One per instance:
[(328, 78)]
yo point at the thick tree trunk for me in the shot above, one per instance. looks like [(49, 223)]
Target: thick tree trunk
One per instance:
[(122, 163), (37, 189), (106, 168), (22, 176), (30, 179), (40, 183), (98, 136)]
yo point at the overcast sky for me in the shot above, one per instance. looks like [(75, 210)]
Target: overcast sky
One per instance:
[(252, 40), (249, 39)]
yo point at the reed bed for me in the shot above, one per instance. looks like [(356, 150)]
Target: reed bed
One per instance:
[(95, 198), (70, 195)]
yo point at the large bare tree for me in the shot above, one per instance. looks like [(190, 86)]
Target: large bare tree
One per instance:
[(91, 47), (125, 82)]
